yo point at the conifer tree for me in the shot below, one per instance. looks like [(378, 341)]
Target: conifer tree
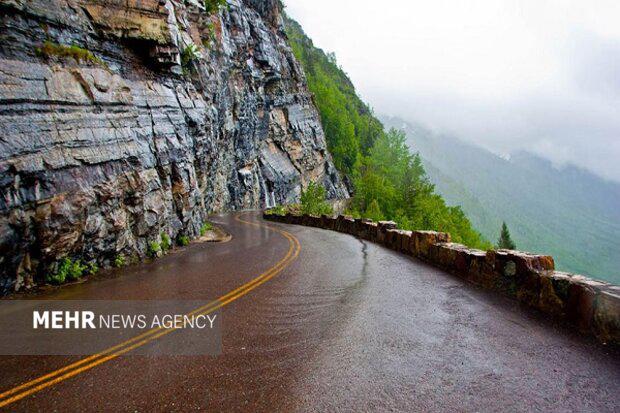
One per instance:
[(504, 241), (374, 211)]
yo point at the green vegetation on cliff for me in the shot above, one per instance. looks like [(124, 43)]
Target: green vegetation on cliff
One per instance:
[(566, 212), (213, 6), (390, 182), (80, 55), (313, 201), (349, 124)]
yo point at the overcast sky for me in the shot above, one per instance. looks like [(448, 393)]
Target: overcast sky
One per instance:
[(525, 74)]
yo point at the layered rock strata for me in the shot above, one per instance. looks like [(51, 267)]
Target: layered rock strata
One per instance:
[(123, 120)]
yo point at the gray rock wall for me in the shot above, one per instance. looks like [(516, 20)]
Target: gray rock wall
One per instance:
[(101, 156)]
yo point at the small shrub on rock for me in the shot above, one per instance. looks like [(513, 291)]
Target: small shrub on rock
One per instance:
[(213, 6), (165, 242), (92, 268), (313, 200), (190, 54), (66, 270), (119, 261), (76, 270), (207, 226), (154, 249), (210, 36), (277, 210), (183, 240)]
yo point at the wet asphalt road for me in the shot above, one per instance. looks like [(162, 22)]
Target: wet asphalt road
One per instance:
[(347, 326)]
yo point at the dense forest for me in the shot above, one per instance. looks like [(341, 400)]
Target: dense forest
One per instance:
[(566, 212), (389, 180)]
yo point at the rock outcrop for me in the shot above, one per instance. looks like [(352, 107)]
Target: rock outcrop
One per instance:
[(122, 120)]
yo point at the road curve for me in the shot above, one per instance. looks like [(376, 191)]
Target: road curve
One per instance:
[(339, 325)]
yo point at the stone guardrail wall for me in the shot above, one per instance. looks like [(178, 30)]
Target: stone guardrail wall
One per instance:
[(591, 306)]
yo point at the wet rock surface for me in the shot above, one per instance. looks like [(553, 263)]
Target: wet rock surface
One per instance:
[(177, 114)]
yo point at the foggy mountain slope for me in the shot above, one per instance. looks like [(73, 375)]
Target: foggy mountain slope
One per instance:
[(569, 213)]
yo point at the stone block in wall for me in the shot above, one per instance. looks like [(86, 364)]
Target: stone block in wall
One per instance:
[(382, 227), (350, 227), (345, 224), (368, 231), (315, 221), (333, 223), (581, 301), (470, 264), (390, 237), (385, 225), (293, 219), (360, 227), (421, 242), (503, 260), (606, 320), (525, 286), (404, 240), (339, 223), (445, 255), (312, 220), (555, 288), (394, 238), (305, 220), (328, 222), (516, 273)]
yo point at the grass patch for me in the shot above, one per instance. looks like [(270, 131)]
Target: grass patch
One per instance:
[(120, 261), (165, 242), (67, 270), (183, 240), (92, 268), (210, 35), (154, 249), (80, 55), (206, 226)]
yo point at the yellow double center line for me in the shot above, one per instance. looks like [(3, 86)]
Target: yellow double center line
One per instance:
[(64, 373)]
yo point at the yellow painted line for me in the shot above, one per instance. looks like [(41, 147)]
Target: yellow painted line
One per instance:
[(147, 333), (153, 334)]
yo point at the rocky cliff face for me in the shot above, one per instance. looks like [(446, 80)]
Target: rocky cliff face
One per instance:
[(122, 120)]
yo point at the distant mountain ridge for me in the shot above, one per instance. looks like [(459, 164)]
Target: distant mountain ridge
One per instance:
[(569, 213)]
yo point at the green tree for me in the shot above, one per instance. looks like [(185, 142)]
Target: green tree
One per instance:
[(349, 124), (504, 241), (313, 200), (374, 211), (389, 179)]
